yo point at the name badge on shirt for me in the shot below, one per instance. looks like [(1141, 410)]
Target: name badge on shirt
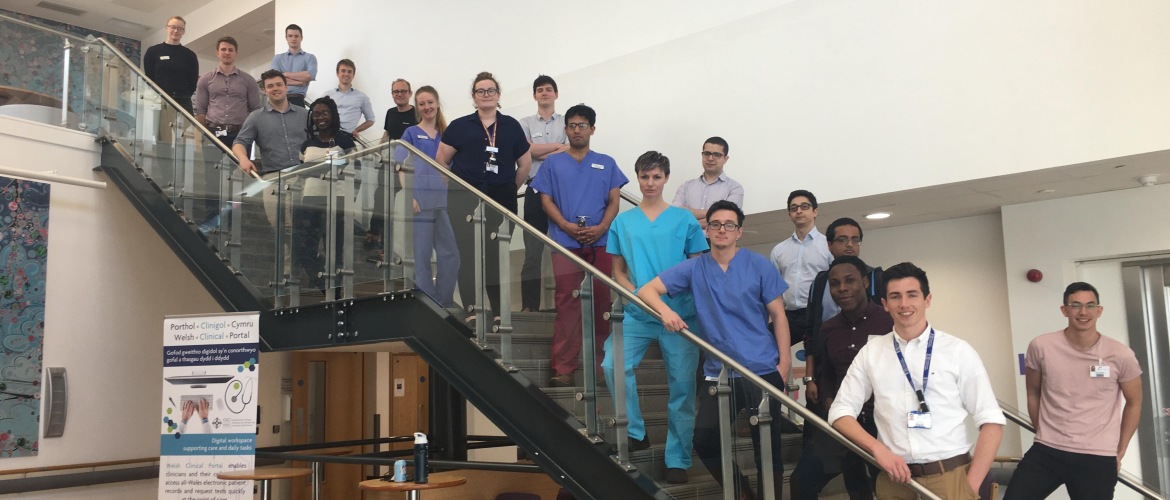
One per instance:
[(164, 58), (1099, 371), (537, 136), (918, 420), (423, 136), (491, 149), (599, 166)]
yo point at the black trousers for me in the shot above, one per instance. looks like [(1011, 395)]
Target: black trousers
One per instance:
[(823, 458), (798, 326), (707, 436), (530, 283), (1044, 468), (461, 204)]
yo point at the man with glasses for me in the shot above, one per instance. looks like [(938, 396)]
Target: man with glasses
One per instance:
[(1076, 379), (697, 195), (799, 258), (924, 384), (173, 67), (736, 291), (546, 132), (579, 192), (401, 116), (299, 67)]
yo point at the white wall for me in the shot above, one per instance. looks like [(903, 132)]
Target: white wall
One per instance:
[(1056, 237), (111, 280), (830, 95)]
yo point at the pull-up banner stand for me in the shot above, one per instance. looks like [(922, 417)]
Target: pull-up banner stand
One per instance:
[(209, 405)]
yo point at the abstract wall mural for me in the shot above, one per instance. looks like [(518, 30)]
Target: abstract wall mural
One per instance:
[(24, 232)]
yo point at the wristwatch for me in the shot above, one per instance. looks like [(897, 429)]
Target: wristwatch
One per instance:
[(807, 380)]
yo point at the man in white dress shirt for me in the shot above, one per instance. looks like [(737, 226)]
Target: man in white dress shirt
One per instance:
[(924, 383)]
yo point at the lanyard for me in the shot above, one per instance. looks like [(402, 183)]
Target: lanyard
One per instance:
[(925, 370), (491, 136)]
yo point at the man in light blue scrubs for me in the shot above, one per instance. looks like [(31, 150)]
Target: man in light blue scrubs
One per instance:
[(736, 291), (644, 241)]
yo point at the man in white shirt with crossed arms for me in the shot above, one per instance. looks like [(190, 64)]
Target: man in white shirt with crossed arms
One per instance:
[(925, 383)]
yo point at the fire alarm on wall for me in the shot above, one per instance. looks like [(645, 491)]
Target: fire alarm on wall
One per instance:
[(1034, 275)]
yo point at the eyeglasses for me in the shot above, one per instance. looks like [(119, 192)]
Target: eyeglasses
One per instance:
[(176, 28), (842, 240), (577, 126), (712, 154), (803, 206), (321, 114), (726, 226), (1077, 306), (400, 92), (486, 92)]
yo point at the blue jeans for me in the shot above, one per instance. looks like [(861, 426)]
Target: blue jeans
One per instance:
[(682, 359)]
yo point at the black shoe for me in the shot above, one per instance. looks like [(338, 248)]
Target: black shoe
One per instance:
[(676, 476), (561, 381), (640, 444)]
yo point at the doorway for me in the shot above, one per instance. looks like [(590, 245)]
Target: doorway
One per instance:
[(1147, 308), (328, 399)]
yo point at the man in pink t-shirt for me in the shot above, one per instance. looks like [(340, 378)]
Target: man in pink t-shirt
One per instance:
[(1076, 381)]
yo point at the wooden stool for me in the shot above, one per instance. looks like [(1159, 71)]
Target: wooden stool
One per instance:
[(434, 482), (265, 476)]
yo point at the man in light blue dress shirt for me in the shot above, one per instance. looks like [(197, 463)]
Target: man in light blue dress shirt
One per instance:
[(799, 258), (299, 67)]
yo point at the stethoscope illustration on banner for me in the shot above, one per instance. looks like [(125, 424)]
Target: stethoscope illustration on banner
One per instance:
[(238, 394)]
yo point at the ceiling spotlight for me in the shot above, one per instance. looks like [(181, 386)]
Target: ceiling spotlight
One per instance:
[(1147, 180), (878, 215)]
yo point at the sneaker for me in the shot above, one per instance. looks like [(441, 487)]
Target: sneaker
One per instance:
[(676, 476), (641, 444)]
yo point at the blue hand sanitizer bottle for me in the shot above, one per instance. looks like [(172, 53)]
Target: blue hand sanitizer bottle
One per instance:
[(420, 458)]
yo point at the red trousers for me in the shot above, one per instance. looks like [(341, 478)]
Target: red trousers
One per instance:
[(566, 342)]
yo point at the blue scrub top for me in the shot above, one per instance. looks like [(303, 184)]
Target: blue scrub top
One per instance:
[(732, 306), (429, 188), (466, 134), (578, 188), (652, 247)]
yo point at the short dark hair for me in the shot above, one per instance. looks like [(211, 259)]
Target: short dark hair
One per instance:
[(294, 27), (850, 260), (718, 141), (651, 160), (812, 198), (228, 40), (831, 232), (346, 62), (905, 270), (1080, 286), (544, 80), (726, 205), (272, 73), (583, 111)]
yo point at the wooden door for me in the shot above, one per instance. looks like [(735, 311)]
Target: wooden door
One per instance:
[(327, 398)]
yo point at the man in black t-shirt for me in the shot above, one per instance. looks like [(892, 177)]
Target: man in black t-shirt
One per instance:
[(398, 119), (174, 68)]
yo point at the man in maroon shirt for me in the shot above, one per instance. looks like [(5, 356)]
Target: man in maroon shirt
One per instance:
[(842, 336)]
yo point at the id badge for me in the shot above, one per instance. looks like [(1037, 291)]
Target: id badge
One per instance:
[(1099, 371), (491, 167), (221, 133), (918, 420), (491, 149)]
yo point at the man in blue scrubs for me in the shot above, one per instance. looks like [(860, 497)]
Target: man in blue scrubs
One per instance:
[(644, 241), (579, 190), (736, 292)]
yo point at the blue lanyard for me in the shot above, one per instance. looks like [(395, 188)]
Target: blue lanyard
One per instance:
[(925, 370)]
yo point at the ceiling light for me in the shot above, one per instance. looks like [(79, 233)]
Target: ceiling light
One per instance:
[(878, 215)]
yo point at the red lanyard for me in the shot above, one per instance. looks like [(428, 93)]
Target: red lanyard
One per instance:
[(491, 136)]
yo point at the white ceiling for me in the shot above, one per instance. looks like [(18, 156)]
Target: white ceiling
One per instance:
[(975, 197), (253, 30)]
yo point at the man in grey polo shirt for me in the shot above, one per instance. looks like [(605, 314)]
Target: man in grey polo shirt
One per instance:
[(546, 132), (697, 195), (278, 129)]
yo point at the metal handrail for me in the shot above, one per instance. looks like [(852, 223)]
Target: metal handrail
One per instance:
[(1122, 476), (167, 97), (727, 361)]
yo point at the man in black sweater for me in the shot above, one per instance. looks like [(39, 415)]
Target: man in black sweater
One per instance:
[(174, 68)]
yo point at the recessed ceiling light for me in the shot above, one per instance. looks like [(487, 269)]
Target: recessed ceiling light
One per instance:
[(878, 215), (1046, 191)]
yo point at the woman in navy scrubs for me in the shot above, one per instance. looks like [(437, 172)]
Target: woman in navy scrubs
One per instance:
[(490, 151)]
